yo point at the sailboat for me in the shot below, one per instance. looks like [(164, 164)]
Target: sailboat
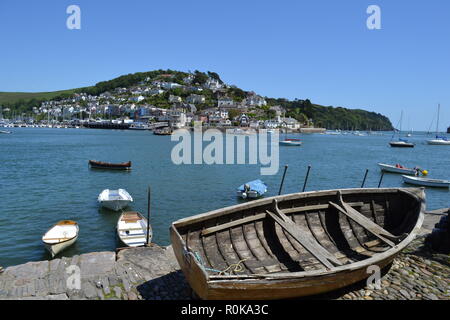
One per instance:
[(401, 143), (439, 140)]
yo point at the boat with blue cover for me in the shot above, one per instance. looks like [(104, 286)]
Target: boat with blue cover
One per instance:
[(252, 189)]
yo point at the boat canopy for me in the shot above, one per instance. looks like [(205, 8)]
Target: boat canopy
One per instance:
[(255, 185), (442, 138)]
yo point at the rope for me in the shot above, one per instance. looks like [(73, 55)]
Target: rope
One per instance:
[(237, 267)]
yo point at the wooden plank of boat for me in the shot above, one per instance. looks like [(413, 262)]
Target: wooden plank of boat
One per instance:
[(366, 223), (263, 215), (291, 270), (325, 257)]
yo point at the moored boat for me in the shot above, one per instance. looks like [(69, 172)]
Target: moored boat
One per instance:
[(397, 169), (107, 165), (132, 229), (62, 235), (401, 144), (426, 182), (296, 245), (114, 199), (253, 189), (5, 131), (439, 141), (291, 142)]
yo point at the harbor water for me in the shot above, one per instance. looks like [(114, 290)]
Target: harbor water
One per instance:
[(44, 178)]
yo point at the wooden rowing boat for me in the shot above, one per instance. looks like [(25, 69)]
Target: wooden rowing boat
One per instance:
[(426, 182), (107, 165), (132, 229), (62, 235), (296, 245)]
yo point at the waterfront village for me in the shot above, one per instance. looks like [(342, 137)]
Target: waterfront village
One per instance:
[(131, 108)]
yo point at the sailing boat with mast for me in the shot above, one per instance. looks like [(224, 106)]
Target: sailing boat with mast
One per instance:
[(401, 143), (439, 140)]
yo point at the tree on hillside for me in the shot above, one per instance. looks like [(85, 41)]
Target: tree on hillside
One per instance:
[(200, 77)]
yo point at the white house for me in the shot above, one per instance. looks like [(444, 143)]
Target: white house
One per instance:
[(225, 101), (255, 100), (195, 98), (173, 99), (170, 85), (137, 99), (290, 123)]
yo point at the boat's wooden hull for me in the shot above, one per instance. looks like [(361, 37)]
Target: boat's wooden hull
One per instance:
[(110, 166), (56, 248), (277, 267)]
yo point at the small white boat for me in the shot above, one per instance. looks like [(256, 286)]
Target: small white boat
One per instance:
[(397, 169), (5, 132), (439, 141), (114, 199), (426, 182), (291, 142), (62, 235), (132, 229)]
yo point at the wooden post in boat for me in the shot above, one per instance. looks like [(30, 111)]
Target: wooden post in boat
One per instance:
[(282, 180), (381, 179), (148, 217), (364, 180), (306, 178)]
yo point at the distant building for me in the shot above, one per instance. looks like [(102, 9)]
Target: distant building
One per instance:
[(195, 98)]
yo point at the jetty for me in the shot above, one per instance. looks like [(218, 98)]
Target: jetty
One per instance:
[(152, 273)]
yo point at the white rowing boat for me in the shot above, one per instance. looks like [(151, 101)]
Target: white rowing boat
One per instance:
[(114, 199), (62, 235), (396, 169), (132, 229), (426, 182)]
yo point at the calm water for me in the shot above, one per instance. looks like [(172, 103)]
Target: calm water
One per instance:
[(44, 177)]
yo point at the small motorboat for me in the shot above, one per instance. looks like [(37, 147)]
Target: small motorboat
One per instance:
[(426, 182), (253, 189), (5, 132), (296, 245), (132, 229), (62, 235), (291, 142), (398, 169), (401, 144), (114, 199), (107, 165)]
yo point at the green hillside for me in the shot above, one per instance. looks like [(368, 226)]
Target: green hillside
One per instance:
[(13, 97), (302, 110)]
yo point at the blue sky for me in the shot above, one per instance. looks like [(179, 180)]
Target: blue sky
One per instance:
[(321, 50)]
